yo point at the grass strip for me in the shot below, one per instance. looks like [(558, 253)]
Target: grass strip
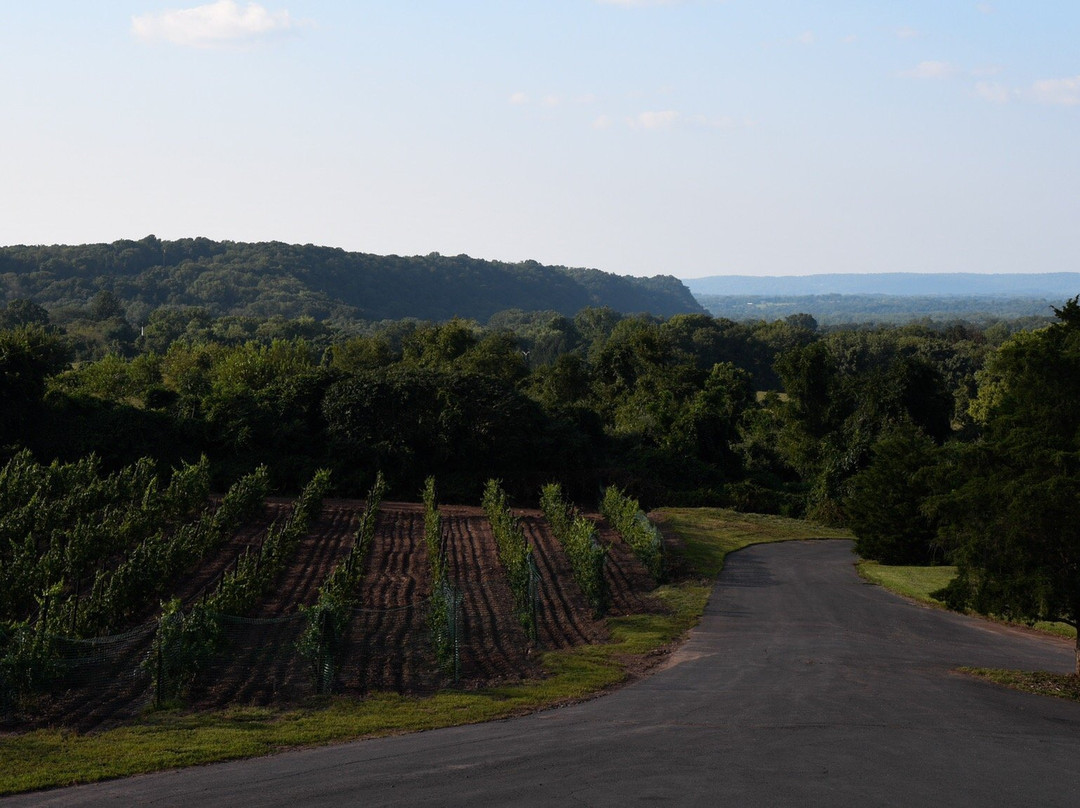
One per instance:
[(918, 583), (912, 582), (709, 534), (1041, 683), (173, 739)]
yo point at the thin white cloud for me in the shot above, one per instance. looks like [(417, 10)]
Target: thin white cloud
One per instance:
[(670, 119), (1060, 92), (930, 70), (602, 122), (806, 38), (717, 122), (655, 119), (907, 33), (985, 8), (220, 23), (995, 92), (551, 100)]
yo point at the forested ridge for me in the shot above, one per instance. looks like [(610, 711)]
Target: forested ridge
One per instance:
[(290, 280)]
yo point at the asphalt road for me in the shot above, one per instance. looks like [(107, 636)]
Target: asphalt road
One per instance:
[(803, 685)]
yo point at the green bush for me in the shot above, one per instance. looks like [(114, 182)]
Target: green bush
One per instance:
[(578, 537), (637, 531), (515, 554)]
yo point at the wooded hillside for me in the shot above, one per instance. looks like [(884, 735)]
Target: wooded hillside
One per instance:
[(288, 280)]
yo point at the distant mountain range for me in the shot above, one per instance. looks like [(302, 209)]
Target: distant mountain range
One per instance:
[(1054, 286), (291, 280)]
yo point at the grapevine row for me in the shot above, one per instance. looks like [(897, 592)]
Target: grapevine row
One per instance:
[(327, 620), (62, 520), (120, 594), (184, 642), (578, 537), (643, 536), (515, 554), (445, 600)]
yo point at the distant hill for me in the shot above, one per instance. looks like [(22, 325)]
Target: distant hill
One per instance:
[(1053, 286), (267, 279)]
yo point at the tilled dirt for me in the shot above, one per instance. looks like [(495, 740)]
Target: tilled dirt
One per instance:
[(565, 617), (260, 664), (629, 583), (205, 576), (387, 643), (495, 647)]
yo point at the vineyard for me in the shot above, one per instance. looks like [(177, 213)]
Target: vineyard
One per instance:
[(184, 598)]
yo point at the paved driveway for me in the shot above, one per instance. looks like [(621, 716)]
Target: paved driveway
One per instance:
[(803, 685)]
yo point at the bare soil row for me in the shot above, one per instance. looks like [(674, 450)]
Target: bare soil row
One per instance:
[(387, 644)]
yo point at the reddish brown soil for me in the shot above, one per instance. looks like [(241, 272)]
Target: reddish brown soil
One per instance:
[(260, 663), (205, 577), (387, 642), (629, 583), (494, 646), (565, 617)]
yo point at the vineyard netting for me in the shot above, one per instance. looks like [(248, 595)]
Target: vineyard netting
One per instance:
[(240, 605)]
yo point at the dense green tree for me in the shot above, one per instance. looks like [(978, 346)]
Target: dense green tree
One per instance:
[(542, 336), (845, 392), (105, 305), (666, 408), (708, 425), (414, 422), (29, 355), (20, 312), (885, 500), (362, 353), (294, 281), (566, 382), (1009, 513)]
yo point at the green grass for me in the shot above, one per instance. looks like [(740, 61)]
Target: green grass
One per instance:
[(709, 534), (918, 583), (1041, 683), (912, 582), (172, 739)]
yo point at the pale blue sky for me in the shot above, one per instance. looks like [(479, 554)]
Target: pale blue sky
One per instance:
[(690, 138)]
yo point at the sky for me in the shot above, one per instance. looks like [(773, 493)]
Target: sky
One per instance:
[(641, 137)]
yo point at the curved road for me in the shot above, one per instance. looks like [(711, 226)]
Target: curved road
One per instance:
[(803, 685)]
